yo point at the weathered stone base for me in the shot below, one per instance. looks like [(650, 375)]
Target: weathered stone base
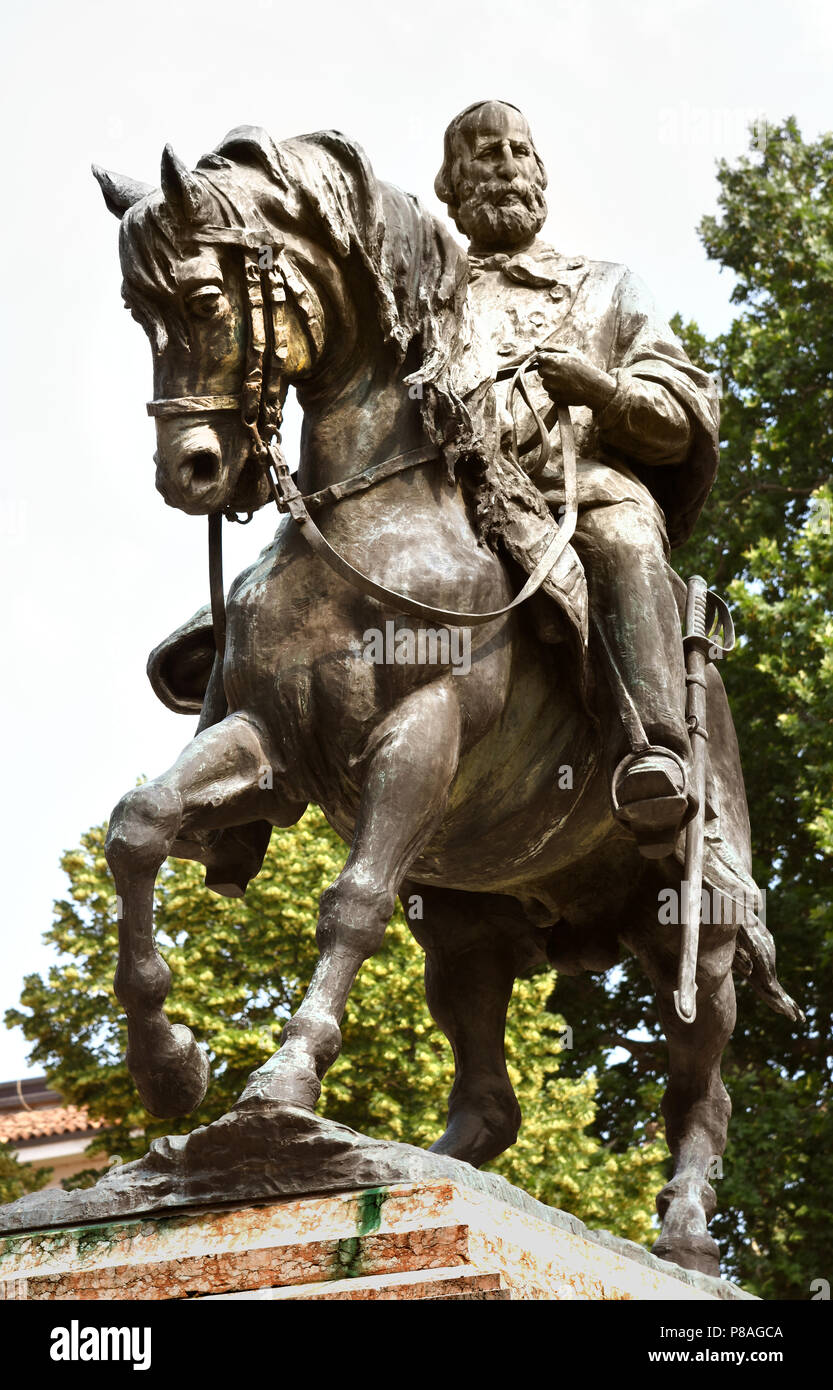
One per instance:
[(434, 1239)]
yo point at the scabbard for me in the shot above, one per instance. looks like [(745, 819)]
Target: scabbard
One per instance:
[(692, 888), (697, 658)]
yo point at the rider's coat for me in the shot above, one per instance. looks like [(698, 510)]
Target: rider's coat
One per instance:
[(658, 435), (645, 464)]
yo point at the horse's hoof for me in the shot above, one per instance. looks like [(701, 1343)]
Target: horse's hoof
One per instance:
[(286, 1085), (179, 1080), (477, 1137), (697, 1252), (235, 858)]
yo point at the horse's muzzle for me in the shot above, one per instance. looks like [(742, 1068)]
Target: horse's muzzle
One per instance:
[(189, 468)]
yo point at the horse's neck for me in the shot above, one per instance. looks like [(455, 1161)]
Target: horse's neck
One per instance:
[(364, 421)]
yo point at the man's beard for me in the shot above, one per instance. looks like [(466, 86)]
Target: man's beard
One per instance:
[(492, 218)]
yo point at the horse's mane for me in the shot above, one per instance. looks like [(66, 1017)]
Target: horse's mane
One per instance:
[(322, 185)]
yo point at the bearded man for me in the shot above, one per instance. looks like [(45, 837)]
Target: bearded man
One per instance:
[(646, 425)]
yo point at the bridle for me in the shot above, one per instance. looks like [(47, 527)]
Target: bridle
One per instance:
[(258, 401), (259, 405)]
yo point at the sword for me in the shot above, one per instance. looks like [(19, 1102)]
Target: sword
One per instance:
[(707, 619)]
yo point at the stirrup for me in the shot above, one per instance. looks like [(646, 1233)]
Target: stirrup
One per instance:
[(654, 821)]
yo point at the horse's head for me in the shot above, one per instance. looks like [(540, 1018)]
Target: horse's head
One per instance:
[(274, 265), (232, 318)]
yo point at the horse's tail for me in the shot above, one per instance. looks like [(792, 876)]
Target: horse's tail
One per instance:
[(755, 961), (754, 958)]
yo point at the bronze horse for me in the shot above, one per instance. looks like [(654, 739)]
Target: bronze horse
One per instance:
[(271, 266)]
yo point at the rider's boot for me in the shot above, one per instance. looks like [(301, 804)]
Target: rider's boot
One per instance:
[(651, 797)]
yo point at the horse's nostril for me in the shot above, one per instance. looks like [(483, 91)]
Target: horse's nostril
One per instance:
[(202, 466)]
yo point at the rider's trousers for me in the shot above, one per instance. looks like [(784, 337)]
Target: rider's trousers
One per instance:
[(635, 636)]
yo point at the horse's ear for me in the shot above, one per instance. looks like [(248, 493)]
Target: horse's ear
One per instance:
[(120, 193), (184, 193)]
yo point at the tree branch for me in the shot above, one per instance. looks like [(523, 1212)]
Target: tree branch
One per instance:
[(774, 487), (630, 1044)]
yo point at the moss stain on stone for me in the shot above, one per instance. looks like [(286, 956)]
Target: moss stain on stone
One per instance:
[(348, 1258), (348, 1254), (88, 1238), (370, 1209)]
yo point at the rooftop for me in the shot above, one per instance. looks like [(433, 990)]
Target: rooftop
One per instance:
[(30, 1110)]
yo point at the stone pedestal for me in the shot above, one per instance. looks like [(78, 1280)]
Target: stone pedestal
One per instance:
[(420, 1240)]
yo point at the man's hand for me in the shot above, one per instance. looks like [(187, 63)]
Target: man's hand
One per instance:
[(571, 378)]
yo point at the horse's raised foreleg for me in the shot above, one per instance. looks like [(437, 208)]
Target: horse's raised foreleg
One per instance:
[(409, 773), (215, 782), (696, 1104)]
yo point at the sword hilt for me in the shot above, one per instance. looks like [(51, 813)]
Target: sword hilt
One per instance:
[(708, 622)]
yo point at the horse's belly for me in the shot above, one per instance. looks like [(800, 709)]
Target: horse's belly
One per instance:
[(530, 798)]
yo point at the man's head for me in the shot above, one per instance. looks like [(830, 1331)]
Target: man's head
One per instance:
[(492, 179)]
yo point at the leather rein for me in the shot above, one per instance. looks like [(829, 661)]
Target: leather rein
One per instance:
[(259, 407)]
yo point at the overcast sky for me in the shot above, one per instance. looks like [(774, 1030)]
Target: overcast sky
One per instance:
[(630, 106)]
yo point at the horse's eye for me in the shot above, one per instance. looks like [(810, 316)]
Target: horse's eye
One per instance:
[(205, 302)]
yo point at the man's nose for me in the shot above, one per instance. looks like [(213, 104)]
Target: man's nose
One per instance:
[(505, 165)]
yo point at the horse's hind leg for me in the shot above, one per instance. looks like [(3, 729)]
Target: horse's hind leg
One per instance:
[(471, 962), (408, 777), (215, 782), (696, 1104)]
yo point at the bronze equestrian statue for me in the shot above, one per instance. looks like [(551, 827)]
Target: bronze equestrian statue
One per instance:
[(425, 488)]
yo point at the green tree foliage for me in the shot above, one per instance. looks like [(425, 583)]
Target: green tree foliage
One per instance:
[(16, 1178), (239, 968), (765, 540)]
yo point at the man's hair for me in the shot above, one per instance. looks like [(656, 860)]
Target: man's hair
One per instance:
[(444, 182)]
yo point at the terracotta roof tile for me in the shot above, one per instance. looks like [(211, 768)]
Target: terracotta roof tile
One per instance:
[(45, 1124)]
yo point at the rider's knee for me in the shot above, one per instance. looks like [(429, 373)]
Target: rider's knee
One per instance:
[(622, 532)]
